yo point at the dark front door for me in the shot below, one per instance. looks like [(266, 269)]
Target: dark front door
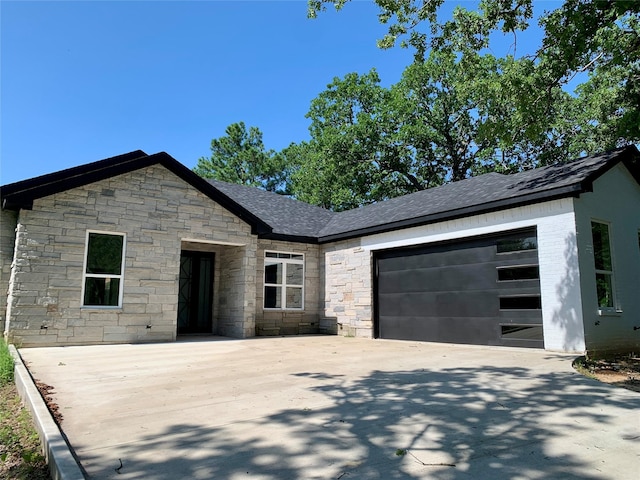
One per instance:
[(195, 297)]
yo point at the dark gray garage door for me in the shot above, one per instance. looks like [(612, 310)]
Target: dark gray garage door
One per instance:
[(483, 290)]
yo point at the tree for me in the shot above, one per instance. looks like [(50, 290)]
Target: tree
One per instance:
[(445, 120), (599, 38), (352, 159), (240, 157), (312, 179)]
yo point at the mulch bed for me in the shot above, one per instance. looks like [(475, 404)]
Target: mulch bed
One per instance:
[(622, 371)]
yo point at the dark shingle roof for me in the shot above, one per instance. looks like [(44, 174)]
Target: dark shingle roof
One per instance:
[(274, 216), (480, 194), (287, 217)]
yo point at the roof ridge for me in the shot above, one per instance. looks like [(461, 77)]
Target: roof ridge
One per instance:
[(213, 181)]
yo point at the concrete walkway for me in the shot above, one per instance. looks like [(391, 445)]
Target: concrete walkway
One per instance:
[(334, 407)]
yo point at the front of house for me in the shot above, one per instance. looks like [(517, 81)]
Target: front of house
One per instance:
[(137, 248)]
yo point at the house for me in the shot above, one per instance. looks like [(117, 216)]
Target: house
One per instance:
[(137, 248)]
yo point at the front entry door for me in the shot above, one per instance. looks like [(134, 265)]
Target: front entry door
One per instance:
[(195, 296)]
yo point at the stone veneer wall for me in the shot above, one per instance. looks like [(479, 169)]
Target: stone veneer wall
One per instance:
[(156, 210), (237, 292), (348, 290), (276, 322), (8, 220)]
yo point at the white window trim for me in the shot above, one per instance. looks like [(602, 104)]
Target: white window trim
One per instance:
[(284, 285), (614, 310), (97, 275)]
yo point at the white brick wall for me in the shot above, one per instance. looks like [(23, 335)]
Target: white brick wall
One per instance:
[(560, 282), (349, 265)]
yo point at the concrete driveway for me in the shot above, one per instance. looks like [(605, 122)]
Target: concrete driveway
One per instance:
[(330, 407)]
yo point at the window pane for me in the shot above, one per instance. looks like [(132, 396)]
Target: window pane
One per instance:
[(294, 274), (104, 253), (272, 297), (601, 246), (283, 280), (273, 273), (524, 302), (294, 297), (529, 272), (522, 332), (605, 290), (101, 291), (528, 242)]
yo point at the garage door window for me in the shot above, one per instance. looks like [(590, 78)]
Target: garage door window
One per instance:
[(283, 281), (604, 265), (519, 244), (103, 269), (518, 272), (520, 302), (522, 332)]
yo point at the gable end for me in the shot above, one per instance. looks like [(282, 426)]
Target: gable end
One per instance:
[(20, 195)]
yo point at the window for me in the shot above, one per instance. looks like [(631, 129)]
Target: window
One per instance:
[(525, 242), (522, 332), (518, 272), (103, 269), (604, 265), (521, 302), (283, 281)]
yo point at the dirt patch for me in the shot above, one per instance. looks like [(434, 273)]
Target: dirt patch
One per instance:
[(46, 391), (620, 371)]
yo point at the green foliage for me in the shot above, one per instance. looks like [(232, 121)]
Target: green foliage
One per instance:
[(6, 364), (351, 163), (240, 157), (458, 109), (599, 38), (309, 175), (446, 119)]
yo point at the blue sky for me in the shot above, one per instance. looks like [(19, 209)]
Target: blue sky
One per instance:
[(82, 81)]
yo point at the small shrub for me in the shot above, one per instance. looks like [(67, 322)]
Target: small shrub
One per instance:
[(6, 364)]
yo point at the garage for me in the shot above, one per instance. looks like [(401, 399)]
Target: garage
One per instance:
[(480, 290)]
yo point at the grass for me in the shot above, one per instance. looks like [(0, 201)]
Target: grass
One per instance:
[(20, 451), (581, 364), (6, 364)]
